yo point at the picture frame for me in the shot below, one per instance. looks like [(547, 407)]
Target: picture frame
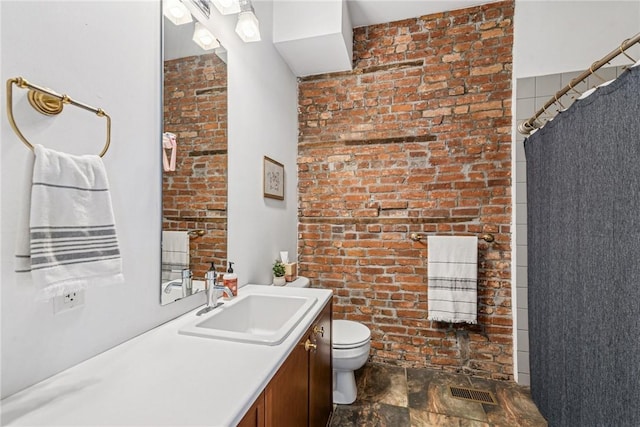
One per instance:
[(273, 179)]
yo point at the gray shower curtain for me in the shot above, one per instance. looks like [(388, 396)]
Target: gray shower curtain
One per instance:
[(583, 199)]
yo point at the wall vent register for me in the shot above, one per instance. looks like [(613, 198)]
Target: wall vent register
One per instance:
[(481, 396)]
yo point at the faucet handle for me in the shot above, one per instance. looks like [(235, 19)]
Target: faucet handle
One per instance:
[(186, 273)]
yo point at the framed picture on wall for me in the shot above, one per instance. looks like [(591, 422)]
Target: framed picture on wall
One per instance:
[(273, 179)]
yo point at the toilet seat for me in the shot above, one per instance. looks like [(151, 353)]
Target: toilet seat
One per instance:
[(348, 334)]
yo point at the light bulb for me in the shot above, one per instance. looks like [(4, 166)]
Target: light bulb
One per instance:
[(248, 27), (176, 12), (227, 7), (203, 37)]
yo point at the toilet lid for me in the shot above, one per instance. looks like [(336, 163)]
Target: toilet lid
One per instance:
[(349, 334), (300, 282)]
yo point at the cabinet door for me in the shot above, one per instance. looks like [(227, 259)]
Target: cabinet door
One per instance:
[(320, 370), (287, 394), (255, 415)]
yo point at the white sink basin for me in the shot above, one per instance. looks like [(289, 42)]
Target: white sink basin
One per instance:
[(254, 318)]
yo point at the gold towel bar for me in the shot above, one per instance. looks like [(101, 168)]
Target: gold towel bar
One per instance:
[(487, 237), (195, 233), (50, 103)]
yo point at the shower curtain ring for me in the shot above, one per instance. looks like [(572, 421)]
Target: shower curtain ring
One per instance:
[(622, 51), (594, 72)]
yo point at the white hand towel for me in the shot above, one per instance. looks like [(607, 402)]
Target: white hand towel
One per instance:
[(72, 234), (453, 278), (23, 253), (175, 254)]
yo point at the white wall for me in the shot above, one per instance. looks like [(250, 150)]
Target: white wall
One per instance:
[(107, 54), (313, 37), (558, 36), (263, 121)]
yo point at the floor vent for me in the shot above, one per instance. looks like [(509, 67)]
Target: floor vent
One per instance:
[(481, 396)]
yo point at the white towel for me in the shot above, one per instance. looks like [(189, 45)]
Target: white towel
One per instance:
[(175, 254), (71, 240), (453, 278)]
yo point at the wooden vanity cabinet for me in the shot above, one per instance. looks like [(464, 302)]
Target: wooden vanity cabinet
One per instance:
[(300, 393), (255, 415), (321, 370), (287, 394)]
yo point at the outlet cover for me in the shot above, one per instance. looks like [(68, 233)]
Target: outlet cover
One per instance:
[(68, 301)]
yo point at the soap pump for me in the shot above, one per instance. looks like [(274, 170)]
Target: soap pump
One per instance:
[(230, 280)]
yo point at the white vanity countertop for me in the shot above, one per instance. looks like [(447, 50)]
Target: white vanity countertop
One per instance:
[(162, 378)]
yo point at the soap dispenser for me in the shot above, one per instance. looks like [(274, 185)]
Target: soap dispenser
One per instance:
[(230, 280)]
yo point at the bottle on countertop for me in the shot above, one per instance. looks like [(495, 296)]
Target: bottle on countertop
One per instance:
[(230, 280)]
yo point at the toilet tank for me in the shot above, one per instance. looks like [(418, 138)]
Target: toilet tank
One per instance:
[(300, 282)]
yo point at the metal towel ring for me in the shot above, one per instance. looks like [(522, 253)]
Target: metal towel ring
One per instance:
[(49, 103)]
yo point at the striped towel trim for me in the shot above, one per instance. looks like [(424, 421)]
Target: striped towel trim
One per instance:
[(452, 283), (64, 245), (71, 187)]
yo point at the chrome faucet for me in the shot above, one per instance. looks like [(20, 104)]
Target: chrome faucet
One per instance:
[(184, 283), (211, 288), (212, 295)]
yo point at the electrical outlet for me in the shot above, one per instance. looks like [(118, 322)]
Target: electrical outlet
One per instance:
[(68, 301)]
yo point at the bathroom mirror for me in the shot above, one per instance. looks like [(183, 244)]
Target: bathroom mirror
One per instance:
[(194, 153)]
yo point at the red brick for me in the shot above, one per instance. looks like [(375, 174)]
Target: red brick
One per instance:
[(388, 183), (202, 173)]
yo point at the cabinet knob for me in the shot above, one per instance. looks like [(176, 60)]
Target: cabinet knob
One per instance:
[(308, 345), (319, 330)]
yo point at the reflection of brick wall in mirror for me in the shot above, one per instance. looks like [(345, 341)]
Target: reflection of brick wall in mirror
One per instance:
[(194, 196)]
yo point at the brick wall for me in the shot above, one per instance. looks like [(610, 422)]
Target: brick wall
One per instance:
[(417, 138), (195, 195)]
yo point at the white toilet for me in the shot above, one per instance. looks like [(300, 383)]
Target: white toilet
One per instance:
[(350, 350), (351, 344)]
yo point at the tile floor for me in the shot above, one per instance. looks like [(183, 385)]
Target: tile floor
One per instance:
[(396, 397)]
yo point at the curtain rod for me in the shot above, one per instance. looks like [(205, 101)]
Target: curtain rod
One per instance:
[(530, 125)]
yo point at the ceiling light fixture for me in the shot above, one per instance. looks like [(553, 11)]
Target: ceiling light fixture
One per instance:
[(248, 27), (203, 37), (227, 7), (176, 12)]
